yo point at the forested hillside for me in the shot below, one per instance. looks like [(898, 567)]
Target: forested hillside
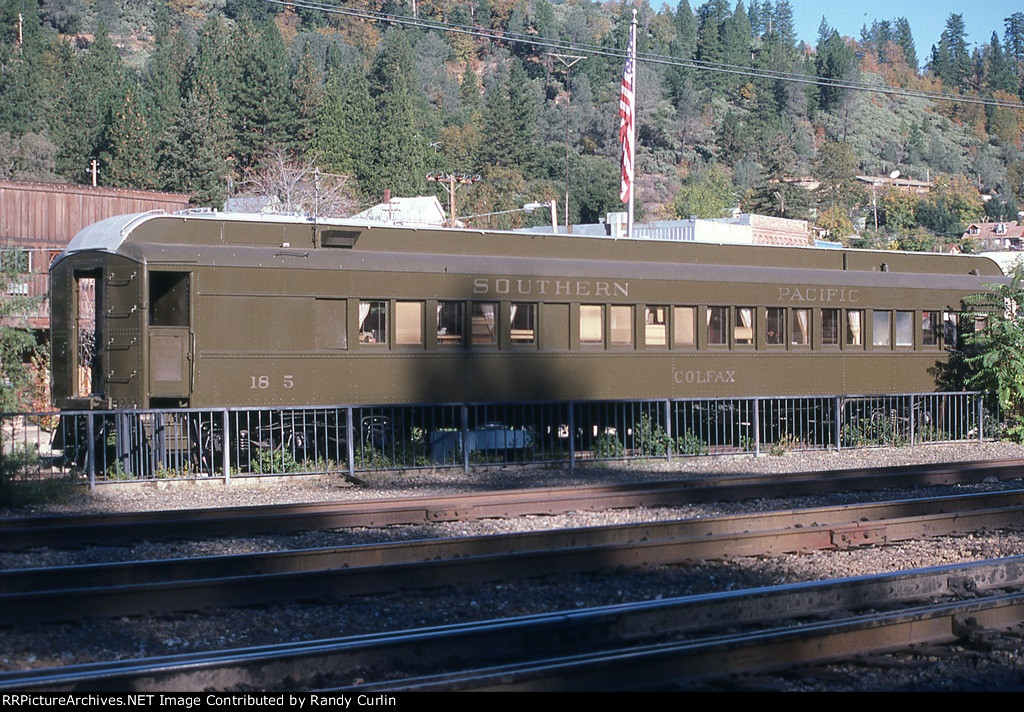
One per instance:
[(214, 97)]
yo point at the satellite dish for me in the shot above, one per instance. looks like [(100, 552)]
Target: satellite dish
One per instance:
[(894, 175)]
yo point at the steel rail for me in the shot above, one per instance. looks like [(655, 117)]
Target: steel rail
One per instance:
[(678, 663), (68, 593), (76, 530), (556, 633), (792, 530)]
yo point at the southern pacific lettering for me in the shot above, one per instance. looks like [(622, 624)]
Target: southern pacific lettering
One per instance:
[(549, 287)]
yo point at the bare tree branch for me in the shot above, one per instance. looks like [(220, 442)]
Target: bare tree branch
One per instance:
[(298, 186)]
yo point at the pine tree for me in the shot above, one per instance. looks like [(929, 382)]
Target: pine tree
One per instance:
[(496, 148), (193, 151), (343, 136), (835, 168), (1014, 36), (26, 91), (523, 114), (260, 101), (92, 89), (710, 44), (951, 60), (736, 41), (164, 73), (128, 148), (999, 73), (835, 61), (905, 39), (398, 157), (679, 80), (308, 90)]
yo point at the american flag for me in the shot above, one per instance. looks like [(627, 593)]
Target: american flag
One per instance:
[(627, 112)]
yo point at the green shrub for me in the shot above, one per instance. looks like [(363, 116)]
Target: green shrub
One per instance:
[(21, 482), (651, 438), (273, 462), (607, 447), (690, 444)]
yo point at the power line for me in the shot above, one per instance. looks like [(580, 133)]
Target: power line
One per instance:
[(645, 57)]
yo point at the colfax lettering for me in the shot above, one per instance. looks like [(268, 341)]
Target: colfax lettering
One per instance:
[(704, 376), (839, 295), (549, 287)]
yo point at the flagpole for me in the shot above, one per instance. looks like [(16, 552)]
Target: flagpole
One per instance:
[(632, 130), (627, 127)]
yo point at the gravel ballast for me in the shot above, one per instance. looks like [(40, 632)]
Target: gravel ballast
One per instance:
[(129, 637)]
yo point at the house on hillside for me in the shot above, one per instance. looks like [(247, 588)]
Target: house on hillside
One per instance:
[(994, 236)]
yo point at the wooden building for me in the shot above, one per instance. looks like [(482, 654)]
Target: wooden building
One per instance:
[(41, 218)]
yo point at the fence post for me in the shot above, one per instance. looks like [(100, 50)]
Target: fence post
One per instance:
[(225, 447), (572, 437), (757, 427), (981, 417), (350, 442), (90, 450), (465, 439), (913, 419), (839, 423), (669, 430)]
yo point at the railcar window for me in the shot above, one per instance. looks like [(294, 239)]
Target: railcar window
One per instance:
[(881, 329), (743, 326), (168, 299), (656, 326), (949, 329), (854, 328), (929, 328), (718, 326), (904, 328), (485, 323), (373, 322), (409, 323), (830, 327), (331, 323), (451, 318), (684, 322), (776, 326), (450, 321), (524, 323), (800, 327), (621, 330), (591, 324)]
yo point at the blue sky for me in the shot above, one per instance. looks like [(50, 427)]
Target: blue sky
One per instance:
[(927, 18)]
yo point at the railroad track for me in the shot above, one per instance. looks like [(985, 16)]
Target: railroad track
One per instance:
[(76, 530), (686, 641), (132, 588)]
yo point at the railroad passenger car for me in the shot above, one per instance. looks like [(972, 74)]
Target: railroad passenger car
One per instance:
[(203, 309)]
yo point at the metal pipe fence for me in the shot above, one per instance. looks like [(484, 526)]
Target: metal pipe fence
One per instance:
[(134, 445)]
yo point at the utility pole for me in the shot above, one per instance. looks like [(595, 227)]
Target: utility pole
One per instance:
[(451, 183), (568, 60), (94, 169)]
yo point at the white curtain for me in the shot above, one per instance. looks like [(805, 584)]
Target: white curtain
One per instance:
[(745, 329), (801, 333), (488, 311), (853, 326)]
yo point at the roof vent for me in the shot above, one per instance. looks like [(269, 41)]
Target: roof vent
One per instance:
[(339, 238)]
